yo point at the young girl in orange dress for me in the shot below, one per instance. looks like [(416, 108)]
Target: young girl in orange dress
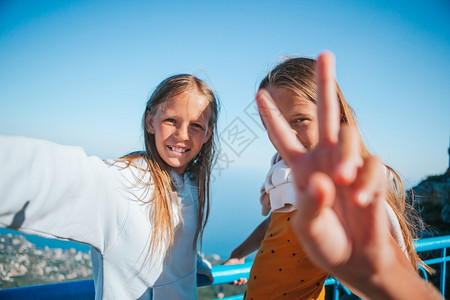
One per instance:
[(282, 269), (334, 181)]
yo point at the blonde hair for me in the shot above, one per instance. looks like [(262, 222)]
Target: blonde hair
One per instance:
[(164, 194), (298, 75)]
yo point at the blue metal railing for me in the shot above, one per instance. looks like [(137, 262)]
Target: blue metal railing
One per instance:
[(226, 274), (436, 243), (84, 289)]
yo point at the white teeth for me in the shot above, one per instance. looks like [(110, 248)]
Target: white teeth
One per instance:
[(179, 150)]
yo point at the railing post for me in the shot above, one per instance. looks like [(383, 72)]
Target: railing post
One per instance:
[(336, 290), (443, 271)]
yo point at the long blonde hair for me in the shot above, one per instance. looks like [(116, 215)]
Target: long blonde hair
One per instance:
[(297, 74), (164, 196)]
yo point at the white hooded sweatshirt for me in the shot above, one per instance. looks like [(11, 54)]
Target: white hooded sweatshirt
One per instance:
[(57, 191)]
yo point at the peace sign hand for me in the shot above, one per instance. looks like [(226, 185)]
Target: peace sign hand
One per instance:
[(341, 220)]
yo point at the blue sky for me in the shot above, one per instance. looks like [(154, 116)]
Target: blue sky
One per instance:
[(80, 72)]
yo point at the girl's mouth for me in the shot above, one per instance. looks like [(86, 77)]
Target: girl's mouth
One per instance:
[(178, 149)]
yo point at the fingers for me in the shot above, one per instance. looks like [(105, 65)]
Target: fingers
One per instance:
[(348, 156), (370, 184), (234, 261), (311, 202), (328, 106), (318, 226), (279, 131), (241, 281), (319, 194)]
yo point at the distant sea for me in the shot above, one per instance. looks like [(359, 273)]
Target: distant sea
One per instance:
[(41, 242)]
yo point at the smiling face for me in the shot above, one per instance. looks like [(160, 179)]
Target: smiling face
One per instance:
[(180, 127), (300, 113)]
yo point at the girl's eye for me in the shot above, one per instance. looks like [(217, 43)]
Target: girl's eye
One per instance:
[(300, 120), (196, 125)]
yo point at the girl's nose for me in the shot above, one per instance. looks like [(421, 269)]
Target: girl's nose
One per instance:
[(183, 132)]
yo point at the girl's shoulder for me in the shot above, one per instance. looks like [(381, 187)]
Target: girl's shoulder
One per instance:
[(135, 160), (133, 167)]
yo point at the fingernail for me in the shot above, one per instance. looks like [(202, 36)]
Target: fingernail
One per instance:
[(342, 174), (363, 198), (348, 168)]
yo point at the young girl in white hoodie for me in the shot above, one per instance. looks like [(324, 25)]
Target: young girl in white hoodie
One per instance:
[(142, 214)]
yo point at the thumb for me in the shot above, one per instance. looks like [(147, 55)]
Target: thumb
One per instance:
[(319, 194)]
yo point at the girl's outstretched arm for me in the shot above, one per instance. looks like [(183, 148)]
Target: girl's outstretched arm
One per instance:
[(57, 191), (341, 220)]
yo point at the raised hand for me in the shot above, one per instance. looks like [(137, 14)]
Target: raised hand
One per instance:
[(341, 219)]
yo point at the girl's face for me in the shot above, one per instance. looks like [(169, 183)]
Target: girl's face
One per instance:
[(180, 127), (300, 113)]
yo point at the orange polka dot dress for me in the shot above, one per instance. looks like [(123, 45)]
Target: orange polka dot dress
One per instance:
[(281, 269)]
